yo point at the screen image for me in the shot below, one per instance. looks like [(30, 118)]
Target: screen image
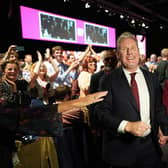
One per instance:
[(52, 27), (141, 44), (96, 34), (41, 25)]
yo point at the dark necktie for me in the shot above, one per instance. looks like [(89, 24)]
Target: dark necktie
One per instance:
[(134, 89)]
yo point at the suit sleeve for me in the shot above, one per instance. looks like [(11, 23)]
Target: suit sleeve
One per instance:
[(104, 110)]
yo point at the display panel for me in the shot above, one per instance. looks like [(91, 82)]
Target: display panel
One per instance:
[(54, 27), (41, 25), (96, 34), (141, 44)]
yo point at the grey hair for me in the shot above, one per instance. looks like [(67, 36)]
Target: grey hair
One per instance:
[(124, 36)]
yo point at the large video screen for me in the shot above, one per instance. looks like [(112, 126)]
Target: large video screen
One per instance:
[(41, 25)]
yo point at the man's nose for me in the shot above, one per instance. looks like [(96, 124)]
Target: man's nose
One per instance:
[(129, 50)]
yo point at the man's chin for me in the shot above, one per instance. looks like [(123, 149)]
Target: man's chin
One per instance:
[(12, 79)]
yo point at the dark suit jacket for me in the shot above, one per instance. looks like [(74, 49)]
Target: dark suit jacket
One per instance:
[(162, 71), (95, 80), (118, 105), (95, 83)]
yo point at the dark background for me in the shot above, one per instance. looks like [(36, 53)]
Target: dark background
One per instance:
[(151, 12)]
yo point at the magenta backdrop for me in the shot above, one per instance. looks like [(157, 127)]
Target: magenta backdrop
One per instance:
[(30, 24)]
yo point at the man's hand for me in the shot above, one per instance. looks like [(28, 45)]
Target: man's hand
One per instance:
[(137, 128), (162, 139)]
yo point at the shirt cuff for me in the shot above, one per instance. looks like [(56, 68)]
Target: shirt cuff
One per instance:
[(121, 128)]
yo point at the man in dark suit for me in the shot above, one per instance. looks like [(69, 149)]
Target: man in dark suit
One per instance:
[(110, 62), (130, 133)]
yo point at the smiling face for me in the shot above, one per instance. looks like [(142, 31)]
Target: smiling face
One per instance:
[(11, 71), (128, 53), (58, 55), (43, 70)]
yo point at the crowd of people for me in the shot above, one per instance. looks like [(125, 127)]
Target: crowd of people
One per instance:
[(100, 124)]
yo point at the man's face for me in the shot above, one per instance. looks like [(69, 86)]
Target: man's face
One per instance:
[(110, 62), (58, 55), (129, 54)]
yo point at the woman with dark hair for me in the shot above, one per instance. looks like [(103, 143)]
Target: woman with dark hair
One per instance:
[(13, 93)]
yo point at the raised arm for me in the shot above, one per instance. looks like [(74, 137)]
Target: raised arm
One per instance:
[(76, 104), (6, 55), (92, 50), (83, 54), (36, 70), (54, 65)]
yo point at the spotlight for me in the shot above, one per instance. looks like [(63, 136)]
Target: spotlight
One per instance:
[(132, 21), (106, 10), (121, 16), (87, 5), (143, 25), (147, 26), (161, 27)]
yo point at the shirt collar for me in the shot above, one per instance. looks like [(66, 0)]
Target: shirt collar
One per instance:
[(127, 73)]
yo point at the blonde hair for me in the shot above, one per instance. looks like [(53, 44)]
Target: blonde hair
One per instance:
[(164, 52)]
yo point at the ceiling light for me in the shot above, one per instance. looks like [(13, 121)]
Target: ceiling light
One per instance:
[(132, 21), (121, 16), (87, 5), (161, 27), (147, 26), (106, 10), (143, 25)]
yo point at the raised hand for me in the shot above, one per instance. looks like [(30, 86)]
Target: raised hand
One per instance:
[(40, 58), (47, 53)]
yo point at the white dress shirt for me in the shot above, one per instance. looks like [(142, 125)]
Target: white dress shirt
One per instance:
[(143, 98)]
